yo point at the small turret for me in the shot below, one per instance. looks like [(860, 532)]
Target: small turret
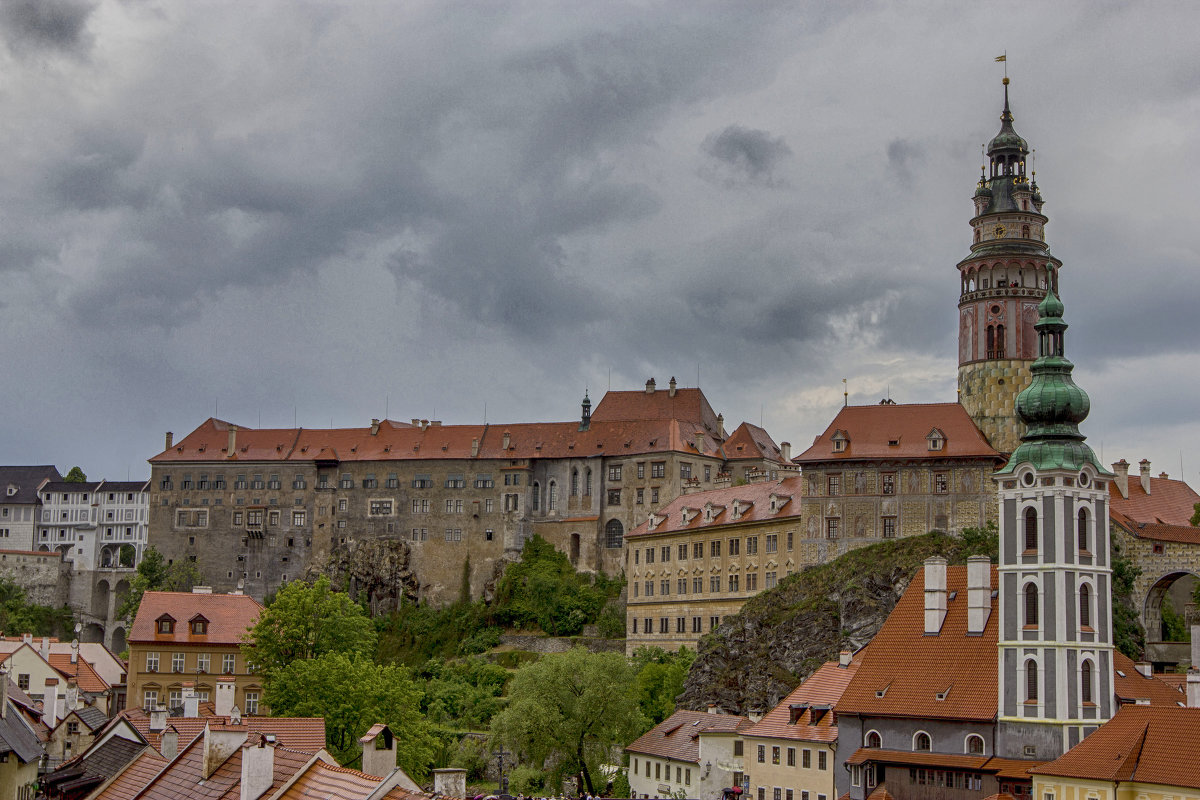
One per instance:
[(585, 417)]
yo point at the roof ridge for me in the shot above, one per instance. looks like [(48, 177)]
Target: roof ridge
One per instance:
[(1131, 762)]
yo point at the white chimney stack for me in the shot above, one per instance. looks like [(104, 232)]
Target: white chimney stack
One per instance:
[(1145, 669), (258, 765), (1121, 469), (378, 751), (231, 449), (845, 657), (191, 703), (223, 702), (1145, 465), (650, 386), (158, 718), (50, 703), (979, 594), (1193, 687), (168, 743), (44, 650), (72, 701), (219, 744), (785, 452), (935, 594)]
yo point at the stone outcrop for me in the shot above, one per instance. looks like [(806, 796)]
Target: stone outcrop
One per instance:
[(379, 569), (782, 635)]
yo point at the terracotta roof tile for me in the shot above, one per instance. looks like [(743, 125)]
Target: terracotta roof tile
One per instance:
[(85, 676), (687, 404), (229, 616), (903, 670), (1187, 534), (1142, 744), (306, 734), (1131, 686), (751, 441), (822, 689), (135, 777), (678, 736), (1170, 502), (872, 429), (754, 504), (331, 782)]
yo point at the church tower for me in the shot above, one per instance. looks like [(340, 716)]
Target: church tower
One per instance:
[(1007, 272), (1055, 636)]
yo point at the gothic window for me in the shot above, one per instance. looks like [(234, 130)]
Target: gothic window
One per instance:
[(999, 342), (1031, 529), (537, 496), (922, 742), (1031, 605), (575, 483), (1083, 531), (1031, 681), (1085, 681), (974, 745), (874, 739), (587, 485), (1085, 606), (991, 341), (614, 533), (552, 501)]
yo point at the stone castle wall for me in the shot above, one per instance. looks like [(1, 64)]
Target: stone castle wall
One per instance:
[(988, 391)]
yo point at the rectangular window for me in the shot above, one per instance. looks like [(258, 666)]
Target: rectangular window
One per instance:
[(251, 702), (228, 663), (237, 518), (687, 776), (733, 583), (681, 624), (177, 662), (649, 588), (664, 625), (641, 469), (888, 483), (380, 508), (790, 535), (735, 547), (834, 485), (778, 793), (664, 587), (202, 662), (149, 699), (654, 494), (455, 482), (751, 545), (489, 506), (681, 586), (454, 506), (393, 481), (791, 757), (274, 516), (683, 550), (831, 528), (713, 622), (697, 585), (770, 579), (762, 754), (685, 472), (806, 758), (422, 482), (714, 548), (941, 482), (649, 555), (772, 543), (738, 747), (698, 550), (695, 624), (614, 472), (298, 518), (151, 662), (614, 497), (641, 496), (420, 506), (889, 527), (453, 534), (714, 583), (822, 759), (343, 504), (751, 581), (665, 553)]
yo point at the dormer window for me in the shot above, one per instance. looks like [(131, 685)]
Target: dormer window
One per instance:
[(936, 440), (840, 441), (165, 624), (199, 625)]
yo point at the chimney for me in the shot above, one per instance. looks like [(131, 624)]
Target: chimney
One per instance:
[(785, 452), (650, 386), (72, 701), (168, 743), (170, 440), (158, 718), (475, 447), (1145, 668), (74, 651), (50, 703), (191, 703), (1121, 468), (201, 589), (1145, 465), (374, 427), (712, 708), (935, 594), (979, 594), (378, 751), (699, 441), (1193, 687), (721, 427), (507, 440), (219, 745), (44, 650), (671, 387), (27, 638), (845, 657), (258, 765), (1193, 619), (231, 448), (224, 697), (450, 782), (754, 714)]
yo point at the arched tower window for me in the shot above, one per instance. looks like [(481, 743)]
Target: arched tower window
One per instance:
[(1085, 681), (552, 499), (537, 496), (1031, 681), (999, 341), (575, 482), (1031, 529), (991, 341), (1025, 231), (1082, 530), (614, 533), (1031, 605), (587, 485), (1085, 606)]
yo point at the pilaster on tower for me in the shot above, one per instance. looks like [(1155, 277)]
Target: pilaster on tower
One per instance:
[(1002, 280)]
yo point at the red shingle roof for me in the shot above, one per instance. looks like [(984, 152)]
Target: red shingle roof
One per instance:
[(813, 698), (85, 676), (229, 616), (751, 441), (1130, 686), (910, 669), (871, 429), (678, 736), (1143, 744), (306, 734), (754, 502), (322, 780), (1170, 501), (135, 777), (687, 404)]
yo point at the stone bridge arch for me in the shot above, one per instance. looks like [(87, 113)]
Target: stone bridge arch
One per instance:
[(1173, 586)]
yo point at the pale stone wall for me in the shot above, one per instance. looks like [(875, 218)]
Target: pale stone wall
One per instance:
[(766, 774), (43, 576), (1156, 560), (988, 391)]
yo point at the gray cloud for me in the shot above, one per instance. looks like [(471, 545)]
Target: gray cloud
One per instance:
[(30, 26), (747, 155)]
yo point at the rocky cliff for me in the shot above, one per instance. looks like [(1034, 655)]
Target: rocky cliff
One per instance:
[(783, 634)]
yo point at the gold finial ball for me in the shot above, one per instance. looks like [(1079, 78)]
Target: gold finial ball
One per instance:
[(1005, 81)]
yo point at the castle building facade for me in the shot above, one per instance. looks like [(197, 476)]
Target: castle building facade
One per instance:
[(404, 509)]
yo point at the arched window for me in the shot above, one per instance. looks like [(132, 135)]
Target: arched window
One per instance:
[(587, 485), (1085, 681), (1082, 527), (614, 533), (1085, 606), (974, 745), (874, 739), (1024, 228), (999, 341), (537, 496), (922, 742), (1031, 605), (552, 498), (575, 483), (991, 341), (1031, 529), (1031, 681)]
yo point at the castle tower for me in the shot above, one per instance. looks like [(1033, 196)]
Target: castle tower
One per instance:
[(1055, 646), (1002, 280)]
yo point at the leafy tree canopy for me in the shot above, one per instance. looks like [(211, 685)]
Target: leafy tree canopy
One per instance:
[(660, 678), (76, 475), (1195, 520), (307, 621), (570, 710), (1128, 634), (154, 574), (352, 693), (467, 692), (18, 615)]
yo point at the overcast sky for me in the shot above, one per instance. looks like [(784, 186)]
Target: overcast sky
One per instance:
[(321, 211)]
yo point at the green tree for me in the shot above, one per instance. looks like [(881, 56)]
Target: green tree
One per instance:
[(154, 574), (570, 710), (352, 693), (307, 621), (660, 677), (76, 475), (465, 693), (1128, 634), (18, 615), (1174, 629), (544, 590), (1195, 520)]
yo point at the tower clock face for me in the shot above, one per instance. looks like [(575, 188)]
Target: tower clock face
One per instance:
[(1000, 231)]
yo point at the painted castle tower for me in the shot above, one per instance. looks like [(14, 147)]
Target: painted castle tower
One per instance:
[(1007, 272), (1055, 646)]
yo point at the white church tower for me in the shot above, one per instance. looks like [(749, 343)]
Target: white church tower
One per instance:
[(1056, 646)]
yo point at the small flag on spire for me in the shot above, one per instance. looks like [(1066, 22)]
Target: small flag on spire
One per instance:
[(1002, 58)]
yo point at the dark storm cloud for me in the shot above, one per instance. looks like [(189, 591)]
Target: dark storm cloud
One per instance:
[(904, 155), (747, 155), (34, 25)]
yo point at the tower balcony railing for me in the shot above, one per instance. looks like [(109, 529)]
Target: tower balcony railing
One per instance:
[(1003, 291)]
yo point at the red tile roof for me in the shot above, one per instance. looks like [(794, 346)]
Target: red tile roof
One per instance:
[(754, 502), (85, 676), (751, 441), (306, 734), (910, 669), (678, 736), (1187, 534), (871, 429), (229, 616), (134, 777), (1140, 744), (1008, 768), (1170, 501), (687, 404), (329, 781), (814, 698), (1130, 686)]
